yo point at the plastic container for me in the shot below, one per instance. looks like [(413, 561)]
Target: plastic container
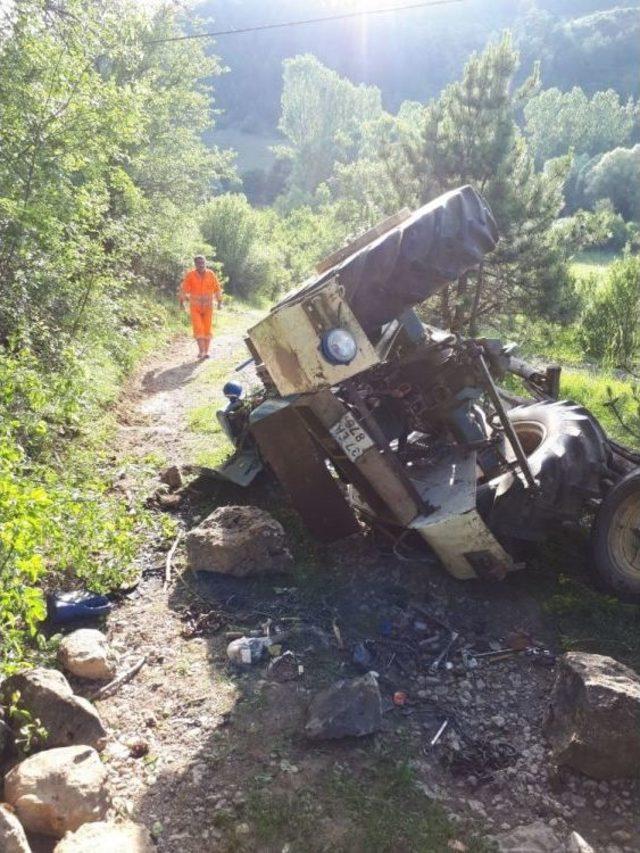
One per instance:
[(76, 606)]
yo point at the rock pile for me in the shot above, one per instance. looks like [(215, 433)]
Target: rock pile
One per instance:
[(61, 792), (58, 790)]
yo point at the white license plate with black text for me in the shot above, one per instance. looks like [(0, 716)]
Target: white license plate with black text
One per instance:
[(351, 437)]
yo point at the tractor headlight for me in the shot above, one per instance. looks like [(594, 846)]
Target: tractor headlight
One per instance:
[(339, 346)]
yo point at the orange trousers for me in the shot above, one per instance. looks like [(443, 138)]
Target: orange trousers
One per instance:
[(201, 320)]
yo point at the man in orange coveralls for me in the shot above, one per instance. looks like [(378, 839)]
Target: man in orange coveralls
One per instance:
[(200, 286)]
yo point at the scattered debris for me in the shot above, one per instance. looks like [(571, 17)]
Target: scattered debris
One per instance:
[(107, 837), (348, 708), (593, 722), (86, 654), (248, 650), (12, 835), (138, 747), (362, 657), (76, 606), (168, 501), (400, 698), (169, 560), (172, 477), (58, 790), (285, 667), (434, 740), (125, 676), (200, 623), (47, 696), (240, 541)]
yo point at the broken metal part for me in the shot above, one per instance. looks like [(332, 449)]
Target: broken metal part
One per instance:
[(512, 437), (439, 733), (442, 657)]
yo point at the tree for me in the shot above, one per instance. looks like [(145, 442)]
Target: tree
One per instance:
[(470, 136), (324, 117), (610, 327), (101, 162), (557, 122), (617, 176)]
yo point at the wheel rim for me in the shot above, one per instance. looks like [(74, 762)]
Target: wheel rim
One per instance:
[(623, 537), (531, 435)]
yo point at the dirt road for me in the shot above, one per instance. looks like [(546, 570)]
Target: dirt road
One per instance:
[(213, 759)]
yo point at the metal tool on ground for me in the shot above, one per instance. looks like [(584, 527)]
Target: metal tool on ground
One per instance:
[(441, 660)]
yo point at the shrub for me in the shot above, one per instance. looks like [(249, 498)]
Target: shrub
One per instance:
[(610, 328)]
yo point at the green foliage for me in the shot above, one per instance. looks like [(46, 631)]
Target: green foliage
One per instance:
[(616, 176), (324, 117), (610, 327), (601, 228), (263, 252), (101, 162), (470, 136), (31, 735), (557, 122)]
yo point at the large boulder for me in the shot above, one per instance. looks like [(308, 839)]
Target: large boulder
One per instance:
[(56, 791), (349, 708), (86, 654), (240, 541), (593, 722), (104, 837), (68, 719), (12, 837)]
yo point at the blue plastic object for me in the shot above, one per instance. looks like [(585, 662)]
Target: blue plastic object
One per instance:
[(75, 606), (233, 390)]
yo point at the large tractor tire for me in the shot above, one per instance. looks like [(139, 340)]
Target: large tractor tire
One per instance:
[(568, 456), (616, 536), (435, 245)]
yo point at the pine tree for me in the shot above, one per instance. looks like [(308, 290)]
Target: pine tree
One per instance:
[(470, 136)]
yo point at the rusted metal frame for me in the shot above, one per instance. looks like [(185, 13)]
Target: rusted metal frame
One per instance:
[(376, 471), (512, 437), (299, 464)]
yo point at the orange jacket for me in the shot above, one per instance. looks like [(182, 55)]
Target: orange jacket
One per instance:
[(201, 288)]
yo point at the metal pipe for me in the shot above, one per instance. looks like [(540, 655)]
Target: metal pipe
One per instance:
[(514, 441)]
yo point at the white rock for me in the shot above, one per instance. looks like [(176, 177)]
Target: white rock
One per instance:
[(12, 837), (56, 791), (107, 837), (577, 844), (86, 653)]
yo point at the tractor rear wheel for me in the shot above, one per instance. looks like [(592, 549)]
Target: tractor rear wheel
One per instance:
[(616, 536), (567, 453)]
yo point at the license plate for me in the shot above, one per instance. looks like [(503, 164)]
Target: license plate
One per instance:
[(351, 437)]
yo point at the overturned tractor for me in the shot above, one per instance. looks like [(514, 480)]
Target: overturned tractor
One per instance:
[(367, 413)]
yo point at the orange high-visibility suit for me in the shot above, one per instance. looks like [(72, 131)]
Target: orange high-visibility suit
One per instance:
[(201, 289)]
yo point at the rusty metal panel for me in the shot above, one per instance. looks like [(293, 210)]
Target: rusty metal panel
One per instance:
[(288, 342), (286, 445), (455, 530), (375, 472)]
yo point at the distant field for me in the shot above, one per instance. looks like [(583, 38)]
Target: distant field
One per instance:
[(591, 263), (252, 149)]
